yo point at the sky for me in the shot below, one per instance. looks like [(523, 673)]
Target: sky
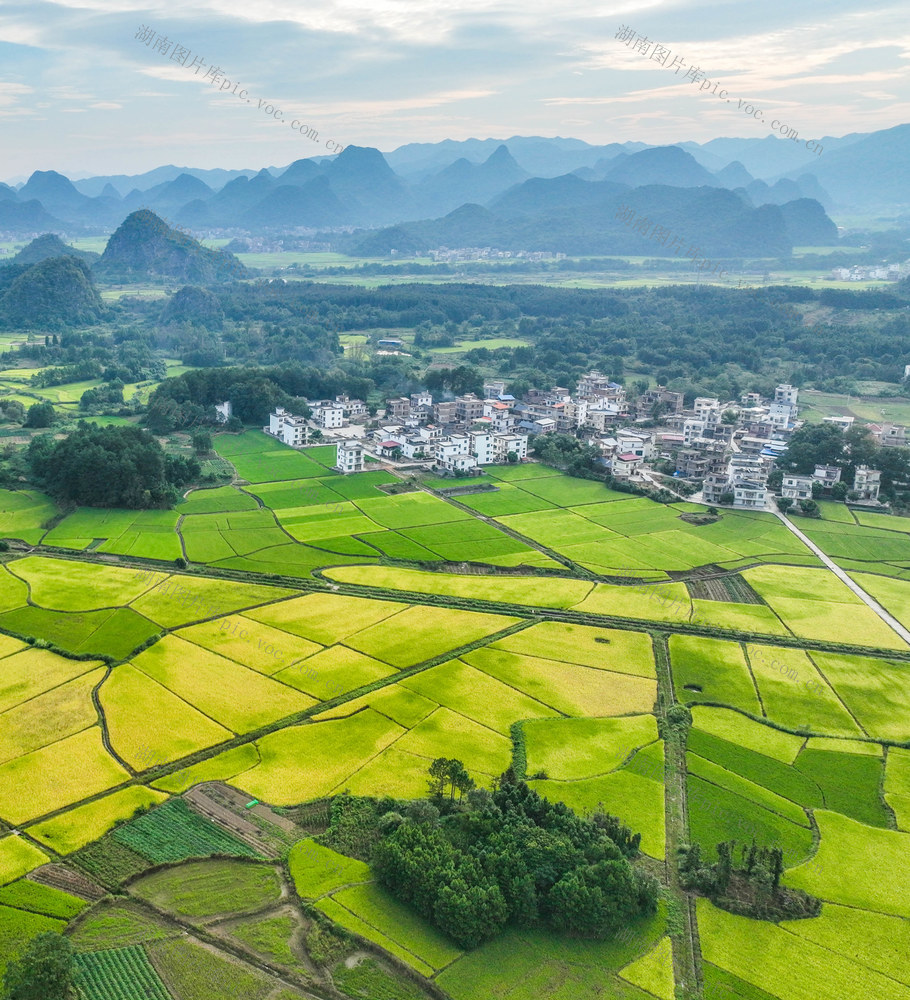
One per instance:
[(88, 88)]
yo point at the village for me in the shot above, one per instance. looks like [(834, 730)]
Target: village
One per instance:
[(717, 452)]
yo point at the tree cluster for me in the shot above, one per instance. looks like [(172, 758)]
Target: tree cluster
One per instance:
[(510, 856), (751, 887), (109, 467)]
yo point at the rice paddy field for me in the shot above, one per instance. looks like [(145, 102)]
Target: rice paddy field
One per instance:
[(329, 636)]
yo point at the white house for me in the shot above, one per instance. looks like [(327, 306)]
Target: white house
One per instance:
[(482, 447), (288, 428), (867, 482), (505, 443), (349, 456), (328, 414), (796, 487), (749, 494)]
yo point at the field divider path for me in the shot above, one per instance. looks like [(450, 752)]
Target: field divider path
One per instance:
[(845, 578), (298, 718), (687, 956), (580, 571)]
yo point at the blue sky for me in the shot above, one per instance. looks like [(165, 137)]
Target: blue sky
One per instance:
[(82, 95)]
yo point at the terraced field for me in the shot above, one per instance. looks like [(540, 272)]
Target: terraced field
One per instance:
[(124, 685)]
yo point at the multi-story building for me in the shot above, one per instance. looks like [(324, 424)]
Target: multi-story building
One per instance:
[(796, 487), (444, 412), (468, 408), (786, 394), (328, 414), (290, 429), (493, 388), (351, 408), (827, 475), (892, 436), (749, 494), (454, 454), (662, 397), (349, 456), (482, 447), (503, 444), (752, 467), (867, 482)]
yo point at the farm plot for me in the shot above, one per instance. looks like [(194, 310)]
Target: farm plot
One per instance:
[(473, 693), (815, 604), (594, 764), (113, 632), (525, 590), (333, 671), (80, 826), (251, 643), (67, 585), (528, 965), (714, 671), (23, 513), (785, 964), (55, 776), (134, 704), (503, 501), (118, 973), (62, 711), (282, 777), (893, 595), (179, 600), (17, 857), (572, 689), (420, 633), (26, 674), (18, 927), (873, 690), (897, 786), (149, 533), (409, 510), (795, 694), (606, 649), (259, 458), (325, 618), (296, 493), (222, 690), (205, 889), (216, 501)]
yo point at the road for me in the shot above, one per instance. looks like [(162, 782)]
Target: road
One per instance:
[(885, 616)]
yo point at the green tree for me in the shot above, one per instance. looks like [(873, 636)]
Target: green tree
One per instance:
[(47, 971), (809, 508), (815, 444), (784, 504), (202, 442), (839, 491), (41, 415)]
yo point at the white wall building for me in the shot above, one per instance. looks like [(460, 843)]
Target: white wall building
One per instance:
[(287, 428), (796, 487), (349, 456), (749, 494), (329, 415), (867, 482)]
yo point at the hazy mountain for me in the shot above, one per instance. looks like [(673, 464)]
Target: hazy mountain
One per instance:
[(29, 216), (541, 194), (124, 183), (367, 185), (661, 165), (55, 192), (314, 205), (145, 247), (54, 292), (709, 221), (808, 225), (734, 175), (300, 172), (871, 172), (464, 182)]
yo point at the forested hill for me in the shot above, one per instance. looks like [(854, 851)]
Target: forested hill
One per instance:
[(144, 246)]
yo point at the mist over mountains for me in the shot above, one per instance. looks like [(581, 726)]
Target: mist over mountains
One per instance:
[(740, 195)]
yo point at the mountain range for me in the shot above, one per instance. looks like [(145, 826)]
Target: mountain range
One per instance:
[(562, 188)]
